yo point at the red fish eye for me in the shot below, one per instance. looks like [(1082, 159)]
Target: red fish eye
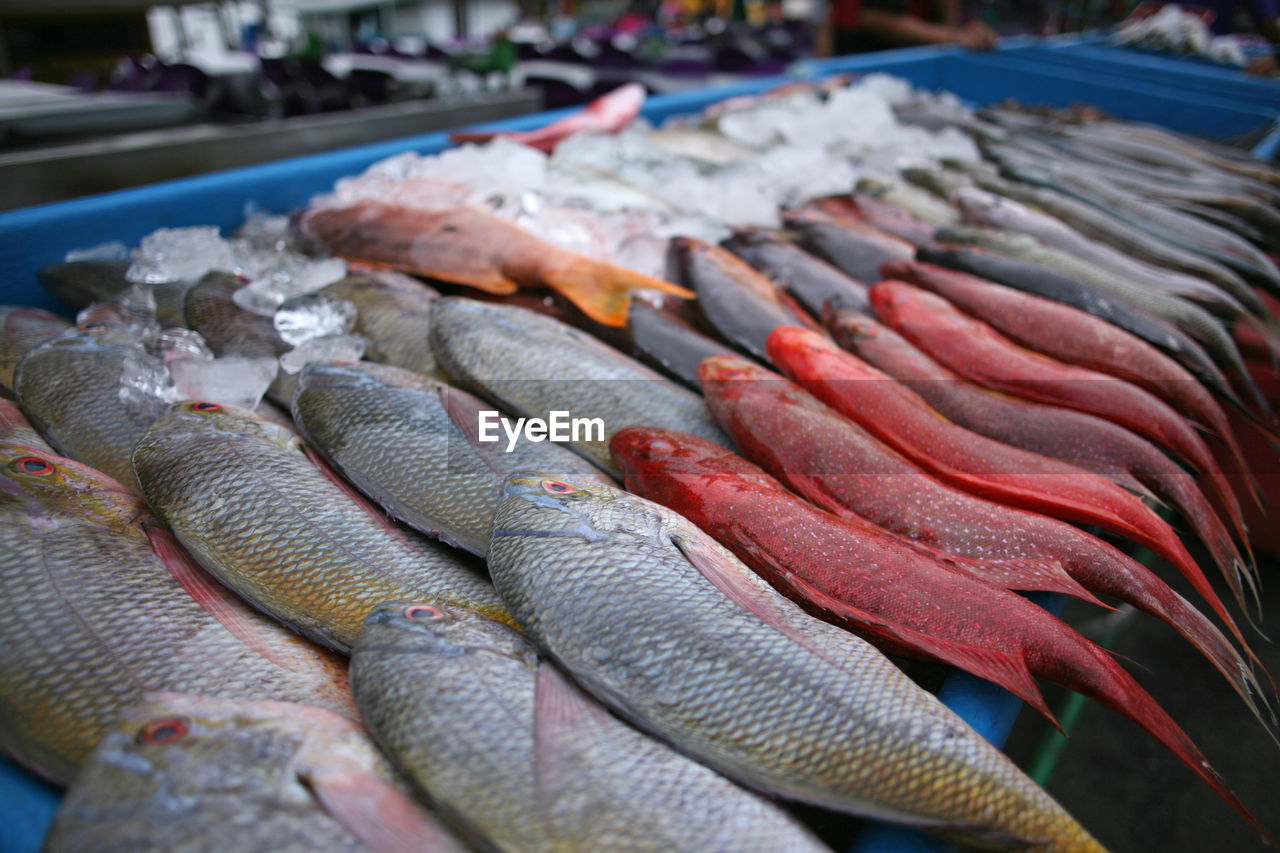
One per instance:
[(34, 465), (556, 487), (160, 732), (423, 612), (205, 407)]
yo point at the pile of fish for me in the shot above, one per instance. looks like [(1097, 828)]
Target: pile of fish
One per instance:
[(602, 537)]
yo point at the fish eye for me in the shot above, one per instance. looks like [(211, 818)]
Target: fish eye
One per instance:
[(556, 487), (661, 445), (423, 613), (161, 732), (734, 373), (205, 407), (34, 465)]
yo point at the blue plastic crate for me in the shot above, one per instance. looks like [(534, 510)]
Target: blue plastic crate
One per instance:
[(33, 237)]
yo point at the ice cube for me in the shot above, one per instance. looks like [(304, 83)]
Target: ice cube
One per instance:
[(174, 344), (146, 388), (232, 381), (177, 254), (112, 251), (314, 315), (278, 276), (328, 348)]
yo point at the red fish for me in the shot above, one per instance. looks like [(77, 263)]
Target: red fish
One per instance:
[(1074, 336), (469, 246), (834, 463), (1081, 439), (868, 582), (898, 416), (608, 113), (977, 352)]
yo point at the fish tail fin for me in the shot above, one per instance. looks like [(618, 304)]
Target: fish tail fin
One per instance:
[(603, 291), (1004, 668), (1109, 684)]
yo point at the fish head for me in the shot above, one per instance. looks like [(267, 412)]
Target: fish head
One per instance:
[(170, 747), (547, 506), (794, 343), (49, 486), (661, 462), (427, 628), (201, 417)]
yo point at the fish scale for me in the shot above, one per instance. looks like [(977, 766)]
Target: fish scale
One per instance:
[(449, 693), (531, 364), (91, 617), (600, 581), (245, 775), (250, 506), (70, 389), (399, 436)]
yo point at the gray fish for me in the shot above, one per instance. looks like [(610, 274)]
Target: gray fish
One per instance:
[(191, 773), (987, 209), (82, 283), (662, 624), (79, 391), (242, 496), (230, 330), (100, 603), (394, 317), (743, 305), (1100, 224), (411, 443), (514, 751), (532, 365)]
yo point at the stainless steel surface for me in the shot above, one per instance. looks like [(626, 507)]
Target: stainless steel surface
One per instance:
[(41, 175)]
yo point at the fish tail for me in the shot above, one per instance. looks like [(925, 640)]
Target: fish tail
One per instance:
[(1004, 668), (603, 291), (1109, 684)]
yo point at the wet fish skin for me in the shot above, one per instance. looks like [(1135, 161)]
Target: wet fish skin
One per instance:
[(977, 352), (603, 583), (864, 578), (101, 604), (812, 281), (742, 305), (1075, 337), (849, 473), (661, 338), (70, 389), (853, 247), (476, 248), (20, 330), (504, 744), (1041, 281), (181, 772), (79, 283), (242, 496), (394, 316), (15, 428), (1099, 224), (409, 442), (531, 365)]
